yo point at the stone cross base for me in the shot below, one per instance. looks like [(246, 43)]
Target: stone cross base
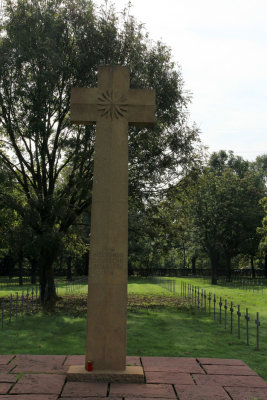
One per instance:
[(131, 374)]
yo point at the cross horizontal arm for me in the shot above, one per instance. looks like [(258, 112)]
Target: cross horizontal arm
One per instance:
[(83, 105), (141, 107), (88, 105)]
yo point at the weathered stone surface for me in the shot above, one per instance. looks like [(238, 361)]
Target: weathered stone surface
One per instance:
[(8, 378), (169, 377), (129, 374), (91, 398), (5, 358), (247, 393), (4, 369), (74, 360), (220, 361), (83, 389), (4, 388), (133, 360), (38, 363), (228, 380), (201, 393), (142, 390), (30, 397), (39, 384), (175, 364), (229, 370), (112, 106)]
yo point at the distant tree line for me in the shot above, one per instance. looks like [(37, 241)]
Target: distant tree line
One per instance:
[(213, 218)]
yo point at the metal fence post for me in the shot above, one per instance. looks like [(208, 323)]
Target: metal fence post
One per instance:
[(17, 302), (247, 319), (22, 304), (231, 318), (238, 321), (257, 322), (10, 307), (27, 301), (225, 314), (220, 315)]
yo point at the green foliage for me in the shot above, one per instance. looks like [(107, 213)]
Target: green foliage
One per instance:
[(46, 48)]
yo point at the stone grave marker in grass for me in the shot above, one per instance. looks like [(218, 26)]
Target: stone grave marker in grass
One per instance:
[(112, 106)]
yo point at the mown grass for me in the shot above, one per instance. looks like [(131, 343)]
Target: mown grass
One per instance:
[(255, 301), (159, 324)]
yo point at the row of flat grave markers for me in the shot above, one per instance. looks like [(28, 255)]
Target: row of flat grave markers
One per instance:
[(207, 303), (13, 307)]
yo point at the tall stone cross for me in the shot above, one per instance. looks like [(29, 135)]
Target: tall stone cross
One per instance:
[(112, 106)]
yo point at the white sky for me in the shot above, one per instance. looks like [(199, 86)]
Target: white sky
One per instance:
[(221, 46)]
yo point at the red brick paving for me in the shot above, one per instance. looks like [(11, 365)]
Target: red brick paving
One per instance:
[(4, 369), (35, 363), (5, 358), (8, 378), (82, 389), (228, 370), (201, 393), (169, 377), (220, 361), (166, 377), (4, 388), (39, 384), (247, 393), (229, 380), (30, 397), (174, 364), (142, 390)]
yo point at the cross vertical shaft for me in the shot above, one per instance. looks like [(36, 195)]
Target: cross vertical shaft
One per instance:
[(112, 106)]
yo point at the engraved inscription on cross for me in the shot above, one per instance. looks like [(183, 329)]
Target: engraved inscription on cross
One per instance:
[(112, 100)]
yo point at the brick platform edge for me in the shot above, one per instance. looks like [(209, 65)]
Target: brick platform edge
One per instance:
[(34, 377)]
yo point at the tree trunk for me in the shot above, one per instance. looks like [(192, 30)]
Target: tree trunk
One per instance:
[(265, 265), (20, 262), (69, 274), (253, 275), (48, 255), (184, 256), (194, 258), (214, 264), (47, 285), (229, 267), (34, 263)]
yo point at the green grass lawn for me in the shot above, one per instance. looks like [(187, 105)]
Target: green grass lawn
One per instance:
[(159, 324), (255, 301)]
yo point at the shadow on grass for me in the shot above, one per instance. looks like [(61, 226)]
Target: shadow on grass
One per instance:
[(44, 334)]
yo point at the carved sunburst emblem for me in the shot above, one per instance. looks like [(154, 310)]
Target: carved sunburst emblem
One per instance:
[(112, 105)]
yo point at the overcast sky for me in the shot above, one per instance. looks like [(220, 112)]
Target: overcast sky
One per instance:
[(221, 46)]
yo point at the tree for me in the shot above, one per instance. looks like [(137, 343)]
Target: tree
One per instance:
[(46, 47), (226, 214), (263, 232)]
